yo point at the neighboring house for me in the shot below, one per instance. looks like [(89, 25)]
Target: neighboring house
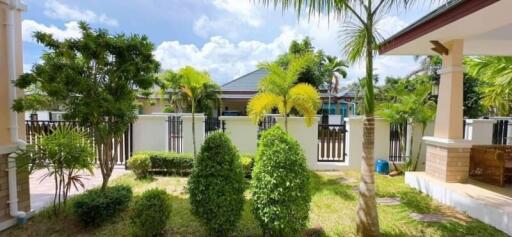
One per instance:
[(237, 93), (14, 183)]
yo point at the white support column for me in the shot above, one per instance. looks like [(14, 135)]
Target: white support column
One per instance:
[(242, 132), (447, 153)]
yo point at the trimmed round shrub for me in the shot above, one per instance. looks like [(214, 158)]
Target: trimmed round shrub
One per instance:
[(95, 206), (151, 213), (281, 184), (216, 185), (140, 165)]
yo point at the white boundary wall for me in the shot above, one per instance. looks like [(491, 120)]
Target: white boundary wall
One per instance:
[(242, 131), (150, 132)]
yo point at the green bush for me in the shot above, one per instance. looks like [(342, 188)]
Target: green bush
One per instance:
[(169, 163), (216, 185), (95, 206), (151, 213), (247, 162), (280, 182), (140, 164)]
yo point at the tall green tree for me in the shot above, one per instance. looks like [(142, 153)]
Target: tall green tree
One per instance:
[(279, 89), (95, 78), (335, 70), (360, 42), (313, 73), (496, 73), (190, 89)]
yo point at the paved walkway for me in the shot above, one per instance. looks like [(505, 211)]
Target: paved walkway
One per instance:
[(42, 191)]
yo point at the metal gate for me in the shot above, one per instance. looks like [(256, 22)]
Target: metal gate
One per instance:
[(397, 142), (213, 124), (331, 143), (175, 134), (500, 132), (265, 124)]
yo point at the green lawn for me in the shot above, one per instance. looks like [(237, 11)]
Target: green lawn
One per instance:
[(333, 208)]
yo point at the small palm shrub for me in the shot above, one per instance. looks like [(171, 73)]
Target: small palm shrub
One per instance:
[(140, 165), (247, 162), (96, 206), (280, 182), (151, 212), (216, 185)]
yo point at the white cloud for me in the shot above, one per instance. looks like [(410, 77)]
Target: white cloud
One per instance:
[(236, 15), (205, 27), (28, 27), (225, 59), (221, 57), (57, 10), (243, 9)]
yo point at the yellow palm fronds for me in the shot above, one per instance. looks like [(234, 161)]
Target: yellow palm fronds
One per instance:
[(262, 104), (305, 99)]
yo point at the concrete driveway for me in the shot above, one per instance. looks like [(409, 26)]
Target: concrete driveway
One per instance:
[(42, 191)]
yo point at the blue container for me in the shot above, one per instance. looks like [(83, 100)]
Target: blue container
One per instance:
[(382, 166)]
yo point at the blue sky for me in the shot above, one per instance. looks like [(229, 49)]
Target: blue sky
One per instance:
[(225, 37)]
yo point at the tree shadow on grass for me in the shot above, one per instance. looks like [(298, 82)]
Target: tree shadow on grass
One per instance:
[(322, 184)]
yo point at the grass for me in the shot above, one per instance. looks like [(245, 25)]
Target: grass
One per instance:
[(333, 208)]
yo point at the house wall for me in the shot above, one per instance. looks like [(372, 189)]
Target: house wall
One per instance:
[(235, 105), (6, 144)]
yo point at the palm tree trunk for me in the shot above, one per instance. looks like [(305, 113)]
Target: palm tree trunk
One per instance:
[(194, 128), (415, 166), (367, 217)]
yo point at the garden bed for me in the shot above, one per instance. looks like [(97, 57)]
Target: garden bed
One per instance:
[(334, 200)]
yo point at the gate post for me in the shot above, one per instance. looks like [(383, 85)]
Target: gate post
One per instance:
[(188, 146)]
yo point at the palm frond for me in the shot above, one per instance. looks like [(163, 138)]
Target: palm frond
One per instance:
[(306, 100), (262, 104)]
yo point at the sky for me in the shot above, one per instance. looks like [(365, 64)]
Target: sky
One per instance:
[(227, 38)]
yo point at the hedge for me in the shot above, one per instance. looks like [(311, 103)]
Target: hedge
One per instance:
[(161, 162), (95, 206)]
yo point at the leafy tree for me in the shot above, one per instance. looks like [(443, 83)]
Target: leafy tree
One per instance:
[(64, 153), (496, 73), (360, 42), (95, 78), (409, 100), (313, 72), (190, 88), (279, 90)]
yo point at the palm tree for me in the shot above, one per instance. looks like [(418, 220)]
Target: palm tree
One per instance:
[(335, 69), (189, 87), (279, 89), (410, 101), (360, 42), (496, 72)]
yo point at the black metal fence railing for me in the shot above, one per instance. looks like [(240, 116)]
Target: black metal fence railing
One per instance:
[(500, 132), (175, 134), (397, 142), (331, 143), (213, 124), (265, 124), (35, 128)]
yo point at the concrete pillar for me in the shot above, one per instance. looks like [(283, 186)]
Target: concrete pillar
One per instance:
[(188, 146), (447, 153)]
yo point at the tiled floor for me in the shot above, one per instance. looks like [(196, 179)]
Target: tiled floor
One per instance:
[(42, 190)]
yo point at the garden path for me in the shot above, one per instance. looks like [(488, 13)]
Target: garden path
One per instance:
[(41, 191)]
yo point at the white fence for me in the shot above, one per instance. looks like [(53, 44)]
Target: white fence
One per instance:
[(151, 132)]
